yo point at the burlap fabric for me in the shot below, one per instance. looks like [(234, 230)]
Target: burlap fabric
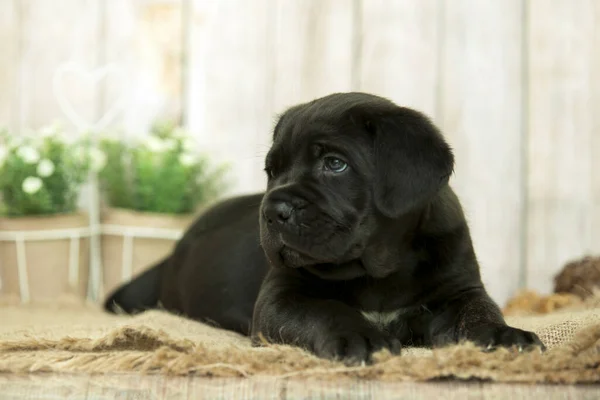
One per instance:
[(83, 339)]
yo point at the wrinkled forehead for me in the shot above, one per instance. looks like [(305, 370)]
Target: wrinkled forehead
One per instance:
[(322, 114), (302, 127), (330, 114), (316, 120)]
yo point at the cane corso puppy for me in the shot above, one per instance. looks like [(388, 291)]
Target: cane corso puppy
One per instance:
[(358, 244)]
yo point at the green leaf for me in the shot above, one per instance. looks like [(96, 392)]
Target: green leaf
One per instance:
[(154, 178)]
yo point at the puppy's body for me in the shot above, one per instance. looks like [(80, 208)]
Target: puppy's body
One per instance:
[(216, 270), (358, 244)]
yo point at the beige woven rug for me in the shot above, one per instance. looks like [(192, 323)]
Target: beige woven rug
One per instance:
[(75, 339)]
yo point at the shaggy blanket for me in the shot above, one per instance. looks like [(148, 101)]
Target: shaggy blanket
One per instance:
[(70, 338)]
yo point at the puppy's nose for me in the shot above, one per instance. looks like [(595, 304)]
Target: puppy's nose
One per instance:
[(280, 211)]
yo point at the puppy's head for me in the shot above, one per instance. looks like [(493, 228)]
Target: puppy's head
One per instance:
[(341, 167)]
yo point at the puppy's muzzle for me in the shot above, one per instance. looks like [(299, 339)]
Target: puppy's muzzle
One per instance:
[(279, 212)]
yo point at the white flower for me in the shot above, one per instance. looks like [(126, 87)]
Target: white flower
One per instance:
[(50, 130), (45, 168), (47, 131), (32, 184), (187, 159), (28, 154), (3, 154), (180, 133), (79, 154), (170, 144), (189, 144), (155, 144), (97, 159), (158, 145), (15, 142)]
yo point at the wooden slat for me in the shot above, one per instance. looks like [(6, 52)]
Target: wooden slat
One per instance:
[(311, 54), (9, 64), (564, 166), (595, 145), (459, 61), (398, 48), (312, 50), (228, 81), (480, 112), (54, 32), (144, 39)]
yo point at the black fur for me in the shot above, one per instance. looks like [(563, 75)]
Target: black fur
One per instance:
[(340, 263)]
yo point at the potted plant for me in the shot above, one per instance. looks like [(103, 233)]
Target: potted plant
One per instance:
[(152, 188), (43, 237)]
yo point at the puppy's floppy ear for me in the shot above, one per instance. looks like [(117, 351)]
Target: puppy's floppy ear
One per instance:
[(412, 159)]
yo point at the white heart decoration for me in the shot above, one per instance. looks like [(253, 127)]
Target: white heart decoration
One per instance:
[(94, 76)]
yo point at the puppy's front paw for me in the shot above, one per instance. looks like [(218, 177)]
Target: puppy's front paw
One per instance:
[(354, 346), (491, 337)]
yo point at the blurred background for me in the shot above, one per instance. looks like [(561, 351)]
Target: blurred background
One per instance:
[(513, 84)]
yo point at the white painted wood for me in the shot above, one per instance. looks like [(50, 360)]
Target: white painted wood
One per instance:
[(144, 39), (311, 55), (228, 91), (595, 145), (398, 46), (564, 72), (9, 64), (480, 112), (312, 51), (461, 62), (52, 33)]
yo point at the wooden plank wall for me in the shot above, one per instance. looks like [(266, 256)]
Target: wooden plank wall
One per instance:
[(9, 64), (515, 86), (480, 112), (563, 126)]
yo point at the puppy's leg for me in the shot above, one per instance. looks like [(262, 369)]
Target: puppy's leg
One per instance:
[(285, 313), (474, 316)]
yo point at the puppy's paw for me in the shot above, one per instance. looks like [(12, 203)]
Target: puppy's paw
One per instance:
[(494, 336), (353, 347)]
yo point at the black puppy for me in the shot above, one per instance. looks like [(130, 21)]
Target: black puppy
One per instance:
[(358, 244)]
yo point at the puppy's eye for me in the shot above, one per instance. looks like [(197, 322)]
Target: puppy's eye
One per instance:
[(335, 164), (270, 172)]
